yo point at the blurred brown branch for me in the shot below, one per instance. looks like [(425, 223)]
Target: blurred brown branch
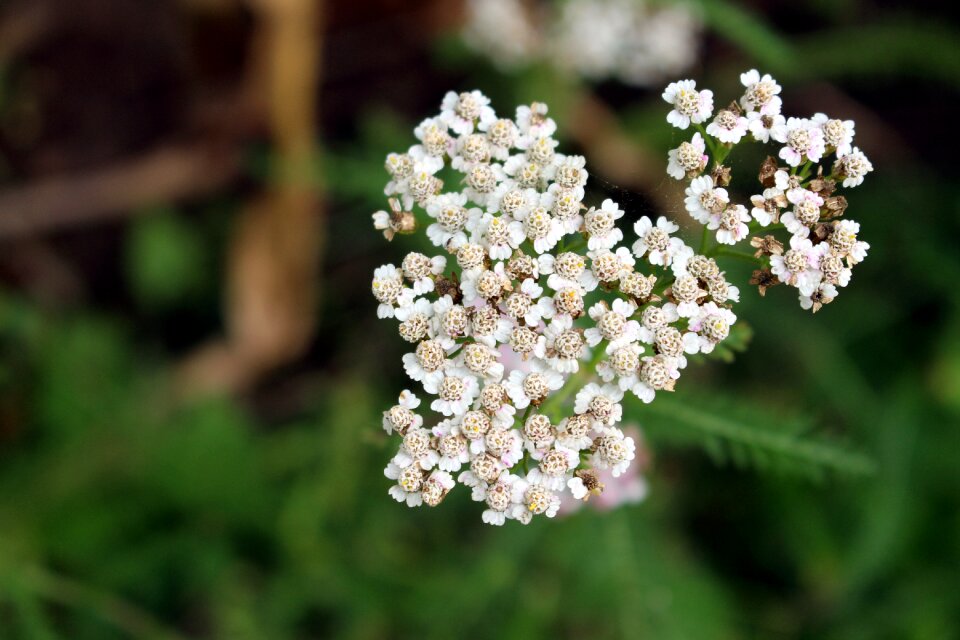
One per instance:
[(275, 252), (272, 282), (171, 172)]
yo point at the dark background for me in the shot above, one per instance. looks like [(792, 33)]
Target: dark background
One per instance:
[(192, 372)]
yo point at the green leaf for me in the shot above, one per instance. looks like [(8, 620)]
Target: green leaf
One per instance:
[(746, 437), (910, 48), (746, 30)]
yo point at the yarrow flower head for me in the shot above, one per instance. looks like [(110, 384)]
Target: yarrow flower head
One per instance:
[(656, 244), (533, 328), (762, 93), (689, 105), (802, 138), (689, 159), (728, 125)]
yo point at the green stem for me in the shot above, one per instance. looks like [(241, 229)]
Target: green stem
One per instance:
[(526, 414), (740, 255), (718, 150), (704, 240), (723, 151), (756, 228), (711, 147), (662, 286)]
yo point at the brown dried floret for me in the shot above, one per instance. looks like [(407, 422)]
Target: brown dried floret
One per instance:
[(835, 206), (591, 481), (768, 172), (449, 287), (819, 298), (766, 246), (822, 186), (763, 279), (399, 221), (720, 175), (822, 232)]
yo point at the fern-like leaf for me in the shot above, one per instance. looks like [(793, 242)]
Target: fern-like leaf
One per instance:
[(752, 437)]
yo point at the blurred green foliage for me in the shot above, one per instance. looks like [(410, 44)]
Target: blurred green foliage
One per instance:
[(166, 260), (243, 533), (127, 514)]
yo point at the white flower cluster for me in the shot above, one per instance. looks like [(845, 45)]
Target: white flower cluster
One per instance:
[(643, 42), (532, 297), (799, 197)]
